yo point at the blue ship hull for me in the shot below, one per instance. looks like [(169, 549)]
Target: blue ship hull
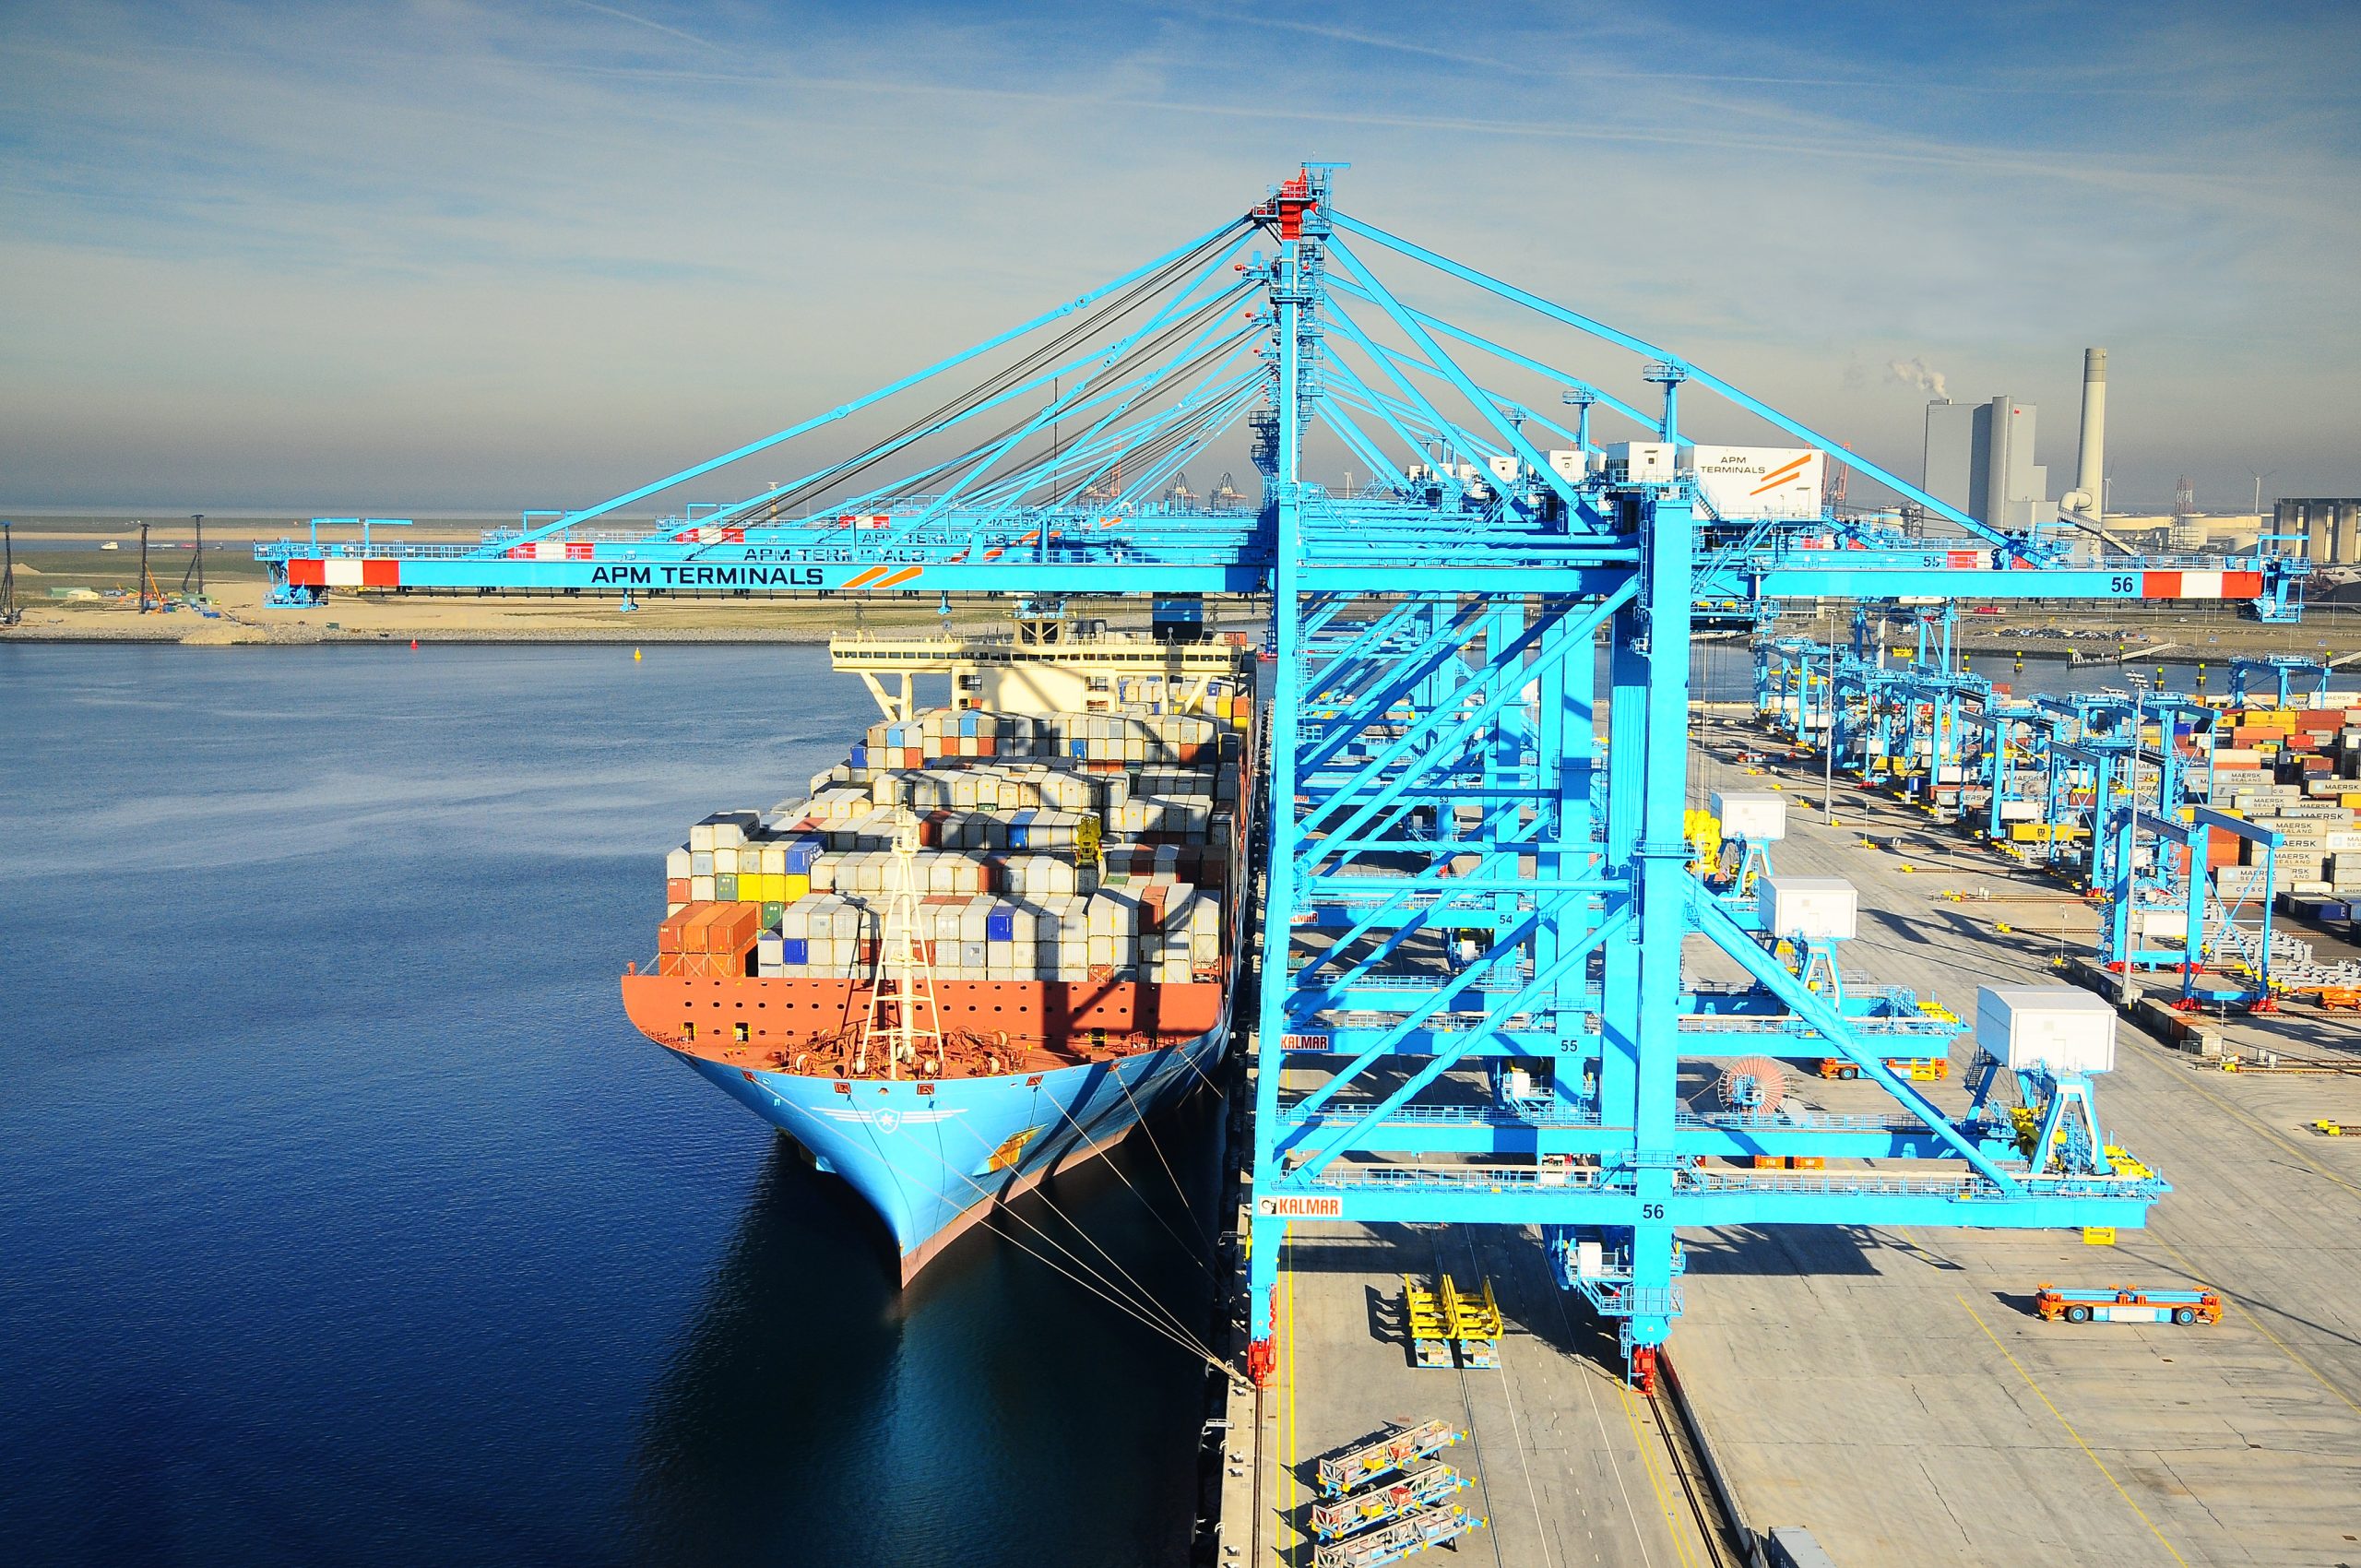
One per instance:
[(933, 1158)]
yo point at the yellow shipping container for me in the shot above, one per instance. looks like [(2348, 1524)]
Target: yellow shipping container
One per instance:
[(792, 886), (2044, 832)]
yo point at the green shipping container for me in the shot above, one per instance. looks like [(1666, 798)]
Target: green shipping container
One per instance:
[(772, 912), (725, 888)]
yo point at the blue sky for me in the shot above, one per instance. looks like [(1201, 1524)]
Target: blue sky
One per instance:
[(457, 253)]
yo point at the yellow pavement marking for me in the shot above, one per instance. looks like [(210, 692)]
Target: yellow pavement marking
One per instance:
[(2267, 1129), (2247, 1312), (2088, 1451), (1655, 1481), (1287, 1428)]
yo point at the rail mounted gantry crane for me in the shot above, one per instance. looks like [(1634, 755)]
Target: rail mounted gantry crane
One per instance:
[(2077, 779), (1462, 878)]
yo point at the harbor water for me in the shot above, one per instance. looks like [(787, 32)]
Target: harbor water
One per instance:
[(344, 1219)]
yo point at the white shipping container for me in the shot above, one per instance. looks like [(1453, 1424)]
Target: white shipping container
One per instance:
[(1816, 908), (2058, 1026), (1755, 815)]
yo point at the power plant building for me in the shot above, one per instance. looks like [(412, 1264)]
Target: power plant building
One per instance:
[(1979, 458), (2329, 528)]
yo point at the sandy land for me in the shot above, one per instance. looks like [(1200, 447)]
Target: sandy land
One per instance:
[(385, 618)]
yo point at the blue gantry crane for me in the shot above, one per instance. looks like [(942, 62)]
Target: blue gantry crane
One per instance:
[(1465, 883)]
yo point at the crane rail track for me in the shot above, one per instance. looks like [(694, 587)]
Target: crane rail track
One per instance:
[(1730, 1543)]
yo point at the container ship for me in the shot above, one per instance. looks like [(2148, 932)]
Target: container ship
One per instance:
[(994, 938)]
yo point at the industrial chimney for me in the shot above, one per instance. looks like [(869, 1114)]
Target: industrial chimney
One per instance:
[(2089, 495)]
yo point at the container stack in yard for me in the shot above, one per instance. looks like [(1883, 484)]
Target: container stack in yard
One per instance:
[(1068, 847), (2299, 770)]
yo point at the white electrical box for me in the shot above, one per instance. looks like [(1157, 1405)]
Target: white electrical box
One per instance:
[(1808, 909), (2163, 925), (1640, 462), (1756, 816), (1503, 469), (2056, 1027), (1590, 1260), (1575, 466)]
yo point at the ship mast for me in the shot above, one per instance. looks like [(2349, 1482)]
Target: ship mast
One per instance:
[(904, 981)]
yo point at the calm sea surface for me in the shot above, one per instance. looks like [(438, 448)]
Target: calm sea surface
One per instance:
[(344, 1219)]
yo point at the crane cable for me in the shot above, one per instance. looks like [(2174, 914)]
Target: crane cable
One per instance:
[(1138, 352), (1158, 1149), (1092, 322)]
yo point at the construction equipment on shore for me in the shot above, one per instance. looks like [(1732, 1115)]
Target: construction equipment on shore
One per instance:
[(193, 574), (9, 612), (1397, 1448), (2125, 1303)]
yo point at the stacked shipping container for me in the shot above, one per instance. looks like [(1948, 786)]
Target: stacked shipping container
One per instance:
[(1066, 847), (2299, 771)]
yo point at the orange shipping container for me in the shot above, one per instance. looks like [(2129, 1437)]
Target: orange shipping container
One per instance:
[(699, 921), (734, 929), (669, 936)]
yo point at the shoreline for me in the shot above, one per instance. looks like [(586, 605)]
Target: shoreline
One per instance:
[(267, 637)]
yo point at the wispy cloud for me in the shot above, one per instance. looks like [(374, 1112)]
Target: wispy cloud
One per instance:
[(465, 253)]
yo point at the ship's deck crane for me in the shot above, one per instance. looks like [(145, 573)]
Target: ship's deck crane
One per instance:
[(1436, 711)]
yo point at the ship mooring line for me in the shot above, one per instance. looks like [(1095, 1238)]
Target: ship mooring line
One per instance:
[(1102, 1287), (2088, 1451), (1146, 1295), (1178, 1331), (1140, 1121), (1096, 1152)]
